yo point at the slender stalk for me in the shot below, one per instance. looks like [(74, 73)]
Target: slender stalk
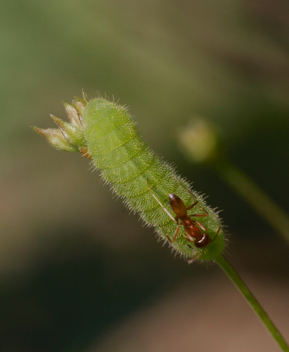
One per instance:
[(251, 192), (253, 302)]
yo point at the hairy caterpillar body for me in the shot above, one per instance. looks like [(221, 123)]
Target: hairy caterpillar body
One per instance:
[(105, 132)]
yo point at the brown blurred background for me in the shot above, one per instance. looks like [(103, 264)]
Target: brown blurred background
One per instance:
[(77, 271)]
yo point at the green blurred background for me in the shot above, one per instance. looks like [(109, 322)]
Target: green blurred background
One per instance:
[(77, 271)]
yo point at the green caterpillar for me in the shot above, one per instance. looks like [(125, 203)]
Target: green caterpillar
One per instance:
[(105, 133)]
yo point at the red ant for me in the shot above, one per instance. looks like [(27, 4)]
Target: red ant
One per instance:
[(192, 227)]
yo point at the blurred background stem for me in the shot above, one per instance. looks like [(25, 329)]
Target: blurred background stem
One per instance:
[(254, 195), (202, 142)]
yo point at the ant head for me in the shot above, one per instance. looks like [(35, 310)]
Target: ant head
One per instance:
[(175, 201), (177, 205), (174, 198)]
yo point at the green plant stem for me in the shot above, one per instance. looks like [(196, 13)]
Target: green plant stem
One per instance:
[(251, 192), (230, 271)]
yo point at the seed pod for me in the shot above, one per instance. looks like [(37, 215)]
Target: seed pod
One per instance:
[(143, 180)]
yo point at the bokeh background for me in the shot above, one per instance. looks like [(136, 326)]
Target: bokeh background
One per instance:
[(77, 271)]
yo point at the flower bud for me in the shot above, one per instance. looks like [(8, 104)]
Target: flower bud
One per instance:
[(56, 139), (71, 133), (69, 137)]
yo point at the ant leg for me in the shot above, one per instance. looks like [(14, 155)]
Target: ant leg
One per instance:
[(190, 261), (202, 215), (206, 213), (165, 209), (192, 215), (176, 233), (191, 206), (201, 226), (216, 235)]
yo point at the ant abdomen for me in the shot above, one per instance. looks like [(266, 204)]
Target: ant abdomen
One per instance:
[(202, 242)]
